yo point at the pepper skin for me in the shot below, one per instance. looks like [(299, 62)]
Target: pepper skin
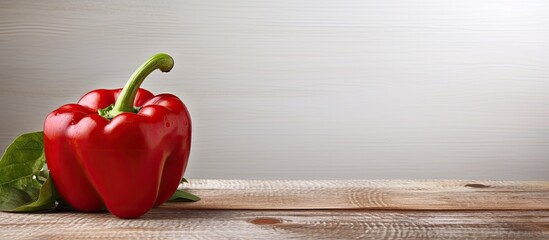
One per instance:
[(128, 156)]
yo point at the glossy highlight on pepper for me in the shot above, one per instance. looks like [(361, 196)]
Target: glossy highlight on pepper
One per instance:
[(123, 149)]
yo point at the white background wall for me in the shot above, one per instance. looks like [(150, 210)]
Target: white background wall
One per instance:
[(300, 89)]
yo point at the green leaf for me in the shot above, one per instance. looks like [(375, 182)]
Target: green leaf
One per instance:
[(24, 187), (45, 201), (182, 196)]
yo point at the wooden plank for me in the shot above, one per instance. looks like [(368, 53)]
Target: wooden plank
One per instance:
[(258, 209), (369, 194), (176, 223)]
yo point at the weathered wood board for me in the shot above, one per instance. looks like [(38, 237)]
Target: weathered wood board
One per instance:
[(371, 194), (177, 223), (375, 209)]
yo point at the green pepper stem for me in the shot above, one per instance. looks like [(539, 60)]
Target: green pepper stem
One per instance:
[(125, 100)]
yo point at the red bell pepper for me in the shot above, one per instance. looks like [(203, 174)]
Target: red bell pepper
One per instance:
[(128, 155)]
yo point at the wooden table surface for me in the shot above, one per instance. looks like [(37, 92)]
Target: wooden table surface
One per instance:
[(258, 209)]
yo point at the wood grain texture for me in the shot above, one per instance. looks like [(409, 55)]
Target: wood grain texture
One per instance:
[(369, 194), (254, 209), (304, 89), (176, 223)]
